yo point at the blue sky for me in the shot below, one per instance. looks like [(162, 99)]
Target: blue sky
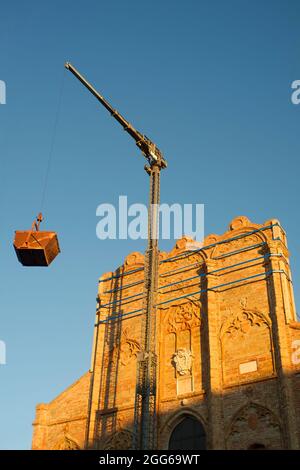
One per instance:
[(208, 81)]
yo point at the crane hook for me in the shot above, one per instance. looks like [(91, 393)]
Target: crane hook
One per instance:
[(36, 223)]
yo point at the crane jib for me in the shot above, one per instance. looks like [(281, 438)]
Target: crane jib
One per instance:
[(147, 147)]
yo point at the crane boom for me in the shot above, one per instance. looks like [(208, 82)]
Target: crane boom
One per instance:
[(148, 148)]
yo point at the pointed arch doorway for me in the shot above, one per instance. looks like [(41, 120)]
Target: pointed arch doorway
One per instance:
[(188, 434)]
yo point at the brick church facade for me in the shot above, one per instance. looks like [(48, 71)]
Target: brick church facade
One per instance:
[(228, 346)]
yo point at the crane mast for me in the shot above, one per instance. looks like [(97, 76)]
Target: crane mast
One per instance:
[(145, 396)]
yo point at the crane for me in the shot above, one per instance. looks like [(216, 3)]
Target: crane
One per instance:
[(145, 395)]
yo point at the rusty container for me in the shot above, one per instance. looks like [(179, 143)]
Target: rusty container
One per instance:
[(34, 247)]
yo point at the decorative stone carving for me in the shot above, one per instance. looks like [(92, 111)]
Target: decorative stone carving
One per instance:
[(183, 243), (134, 259), (121, 440), (125, 350), (239, 325), (182, 361), (211, 239), (65, 442), (254, 423), (183, 317), (239, 222), (129, 348), (251, 416)]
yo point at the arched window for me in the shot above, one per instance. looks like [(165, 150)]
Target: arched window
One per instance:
[(189, 434)]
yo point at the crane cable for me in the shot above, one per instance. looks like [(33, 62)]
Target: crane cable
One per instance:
[(52, 142)]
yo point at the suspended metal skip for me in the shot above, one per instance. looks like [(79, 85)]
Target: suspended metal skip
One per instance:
[(35, 247)]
